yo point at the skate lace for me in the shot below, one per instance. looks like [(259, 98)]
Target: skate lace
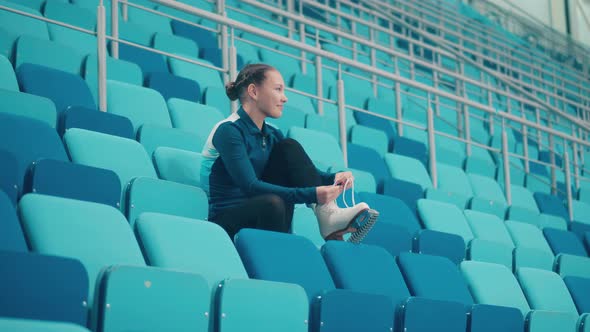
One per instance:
[(351, 194)]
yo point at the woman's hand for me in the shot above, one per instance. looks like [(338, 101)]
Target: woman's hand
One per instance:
[(327, 194), (342, 178)]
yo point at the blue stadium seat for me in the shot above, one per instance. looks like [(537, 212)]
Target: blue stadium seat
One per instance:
[(148, 62), (43, 287), (153, 137), (411, 148), (444, 217), (579, 289), (487, 196), (442, 315), (545, 290), (147, 195), (31, 325), (102, 122), (11, 234), (24, 104), (8, 81), (579, 229), (170, 86), (216, 97), (29, 140), (564, 242), (178, 165), (9, 178), (395, 239), (72, 90), (488, 318), (392, 211), (64, 179), (117, 70), (200, 36), (366, 159), (408, 192), (435, 243), (48, 54), (550, 204)]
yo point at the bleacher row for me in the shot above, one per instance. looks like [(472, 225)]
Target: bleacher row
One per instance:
[(103, 210)]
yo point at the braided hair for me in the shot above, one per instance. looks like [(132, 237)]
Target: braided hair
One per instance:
[(252, 73)]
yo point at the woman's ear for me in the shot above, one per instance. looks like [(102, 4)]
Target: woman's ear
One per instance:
[(252, 91)]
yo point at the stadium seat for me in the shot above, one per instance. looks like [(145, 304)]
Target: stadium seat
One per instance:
[(216, 97), (453, 186), (42, 287), (545, 290), (131, 299), (491, 252), (29, 105), (200, 36), (291, 117), (11, 234), (22, 25), (48, 54), (325, 155), (488, 318), (408, 169), (148, 62), (28, 140), (325, 124), (140, 105), (64, 179), (550, 204), (154, 136), (176, 45), (448, 316), (572, 265), (159, 196), (80, 233), (178, 165), (8, 81), (578, 289), (392, 211), (395, 239), (487, 196), (366, 159), (72, 90), (527, 236), (370, 137), (523, 205), (581, 211), (170, 86), (32, 325), (9, 179), (443, 217), (150, 21), (435, 243), (300, 102), (564, 242), (102, 122), (125, 157), (193, 117), (117, 70), (408, 192), (205, 76)]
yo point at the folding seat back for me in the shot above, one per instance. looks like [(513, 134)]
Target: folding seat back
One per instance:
[(24, 25), (487, 195), (72, 90), (527, 236), (326, 155), (384, 125), (123, 156), (118, 70), (43, 288), (77, 229), (28, 140), (269, 306), (170, 86), (102, 122), (300, 102), (205, 76), (291, 117), (153, 137), (148, 62), (366, 159), (491, 252), (488, 227), (564, 242), (581, 211), (410, 147), (442, 244), (48, 54), (8, 81), (11, 234), (216, 97), (550, 204), (29, 105), (9, 180), (193, 117), (408, 169), (69, 13), (454, 180), (140, 105), (200, 36), (288, 66), (488, 318), (494, 284), (131, 299), (523, 204), (434, 277), (545, 290), (159, 196), (578, 288), (395, 239), (370, 137), (64, 179), (284, 258), (153, 22), (443, 217), (392, 211), (371, 263), (176, 45), (444, 315), (177, 165), (572, 265), (31, 325)]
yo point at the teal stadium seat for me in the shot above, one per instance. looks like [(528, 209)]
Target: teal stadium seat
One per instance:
[(408, 169), (25, 325), (453, 186), (444, 217), (28, 105), (48, 53), (178, 165), (325, 155), (153, 137), (117, 70), (545, 290), (8, 81), (487, 196)]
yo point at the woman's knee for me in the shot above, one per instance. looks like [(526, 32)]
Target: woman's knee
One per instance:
[(289, 145), (273, 213)]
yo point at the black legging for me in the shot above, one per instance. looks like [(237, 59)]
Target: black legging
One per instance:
[(288, 166)]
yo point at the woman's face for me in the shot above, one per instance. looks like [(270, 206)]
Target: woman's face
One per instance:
[(271, 95)]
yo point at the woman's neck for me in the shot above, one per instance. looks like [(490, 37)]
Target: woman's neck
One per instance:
[(256, 116)]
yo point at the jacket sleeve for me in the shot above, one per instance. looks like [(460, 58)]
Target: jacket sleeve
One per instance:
[(230, 144)]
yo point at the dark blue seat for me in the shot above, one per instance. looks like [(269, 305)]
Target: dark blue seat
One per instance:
[(411, 148), (423, 314), (369, 160), (170, 86), (564, 242), (490, 318), (203, 38), (9, 180), (375, 122), (579, 289), (550, 204), (43, 288), (441, 244), (103, 122), (11, 233), (579, 228), (545, 156), (289, 258), (64, 179), (29, 140), (395, 239), (148, 61), (63, 88), (392, 210), (408, 192)]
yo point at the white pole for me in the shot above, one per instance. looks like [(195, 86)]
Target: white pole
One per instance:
[(115, 27), (342, 116), (102, 57), (431, 145)]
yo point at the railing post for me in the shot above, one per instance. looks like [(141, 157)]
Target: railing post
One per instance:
[(342, 116), (568, 184), (467, 132), (525, 144), (102, 57), (319, 84), (114, 28), (431, 145), (506, 164), (233, 67)]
